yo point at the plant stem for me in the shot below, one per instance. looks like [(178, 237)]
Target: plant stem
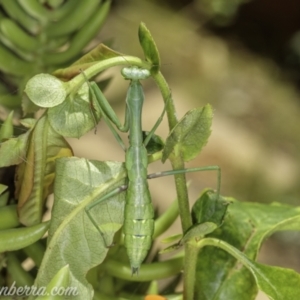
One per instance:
[(190, 263), (176, 161), (228, 248), (166, 219), (76, 82), (147, 272), (182, 193), (167, 96)]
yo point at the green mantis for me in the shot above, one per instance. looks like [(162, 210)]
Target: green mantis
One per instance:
[(138, 224)]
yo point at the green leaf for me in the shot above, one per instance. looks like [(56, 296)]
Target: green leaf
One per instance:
[(28, 122), (245, 227), (8, 216), (28, 106), (60, 280), (171, 248), (7, 128), (13, 151), (35, 175), (54, 4), (75, 116), (97, 54), (191, 133), (172, 238), (16, 272), (149, 47), (155, 144), (4, 195), (194, 233), (45, 90), (209, 209), (278, 283), (198, 231), (73, 239)]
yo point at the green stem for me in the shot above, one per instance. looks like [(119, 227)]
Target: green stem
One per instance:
[(154, 157), (226, 247), (181, 190), (182, 194), (176, 161), (147, 272), (95, 69), (167, 96), (166, 219), (190, 264)]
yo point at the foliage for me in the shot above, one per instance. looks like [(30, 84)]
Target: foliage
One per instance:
[(41, 36), (221, 236)]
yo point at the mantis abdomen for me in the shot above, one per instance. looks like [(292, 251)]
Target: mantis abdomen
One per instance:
[(139, 213), (139, 223)]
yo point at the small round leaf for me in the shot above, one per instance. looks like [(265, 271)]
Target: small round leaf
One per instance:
[(46, 90), (75, 116)]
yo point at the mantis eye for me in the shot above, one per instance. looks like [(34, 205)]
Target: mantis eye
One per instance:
[(135, 73)]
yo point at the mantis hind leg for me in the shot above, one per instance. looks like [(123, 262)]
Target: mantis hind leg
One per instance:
[(190, 170), (114, 192)]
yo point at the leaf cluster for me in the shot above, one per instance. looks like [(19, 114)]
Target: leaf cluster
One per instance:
[(220, 236), (41, 36)]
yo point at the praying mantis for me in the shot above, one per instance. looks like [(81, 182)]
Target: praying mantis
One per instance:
[(138, 224)]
